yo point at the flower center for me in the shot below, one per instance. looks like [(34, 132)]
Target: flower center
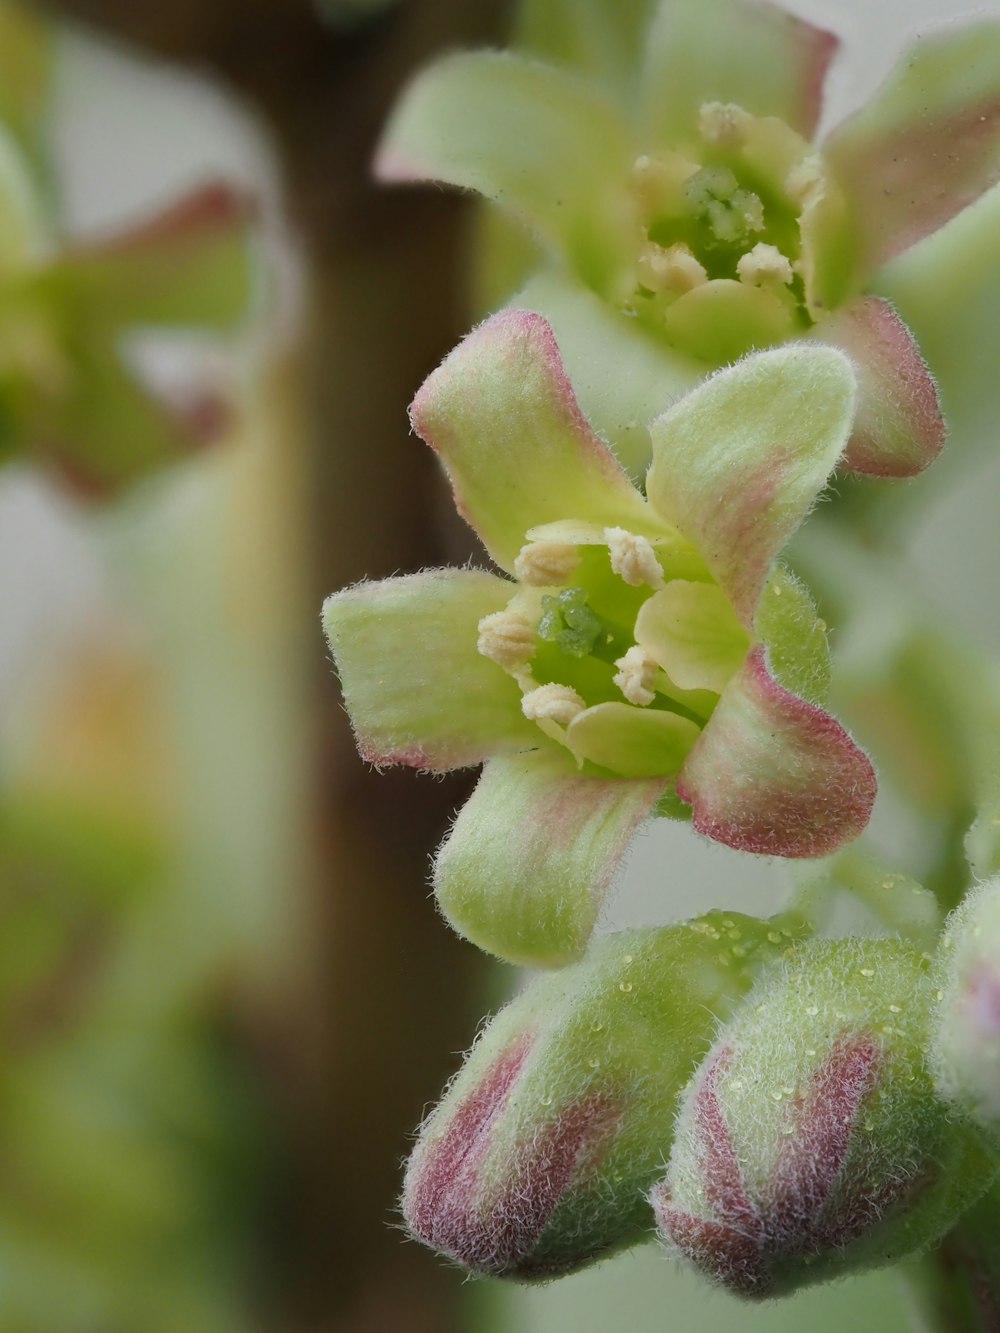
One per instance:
[(621, 663), (718, 265)]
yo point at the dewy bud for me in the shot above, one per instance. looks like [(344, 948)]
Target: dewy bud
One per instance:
[(811, 1141), (965, 1050), (539, 1157)]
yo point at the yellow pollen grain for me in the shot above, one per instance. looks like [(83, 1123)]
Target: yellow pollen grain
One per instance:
[(506, 638), (804, 184), (867, 971), (552, 703), (633, 558), (723, 124), (670, 268), (546, 564), (764, 266), (635, 675)]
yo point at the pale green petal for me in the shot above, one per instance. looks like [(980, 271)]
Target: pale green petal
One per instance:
[(766, 61), (724, 319), (531, 857), (739, 462), (603, 41), (690, 630), (192, 265), (534, 139), (417, 691), (633, 742), (622, 375), (928, 143), (501, 413)]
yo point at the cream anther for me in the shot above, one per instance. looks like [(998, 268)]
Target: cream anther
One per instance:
[(552, 703), (635, 676), (506, 638), (723, 124), (805, 183), (546, 564), (633, 558), (672, 269), (764, 266)]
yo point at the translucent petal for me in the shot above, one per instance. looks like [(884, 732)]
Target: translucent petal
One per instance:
[(632, 742), (690, 630), (766, 61), (928, 143)]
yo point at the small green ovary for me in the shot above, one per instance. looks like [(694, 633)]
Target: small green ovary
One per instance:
[(570, 623)]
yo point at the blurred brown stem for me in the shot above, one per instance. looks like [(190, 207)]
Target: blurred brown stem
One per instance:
[(393, 993)]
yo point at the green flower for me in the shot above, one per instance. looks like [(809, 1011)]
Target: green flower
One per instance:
[(67, 394), (650, 652), (691, 200)]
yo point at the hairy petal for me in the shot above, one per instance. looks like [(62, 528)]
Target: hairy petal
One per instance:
[(754, 54), (534, 139), (739, 462), (774, 774), (417, 691), (898, 428), (926, 146), (501, 413), (532, 855)]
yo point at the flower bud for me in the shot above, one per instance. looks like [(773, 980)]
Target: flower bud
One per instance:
[(539, 1157), (965, 1051), (811, 1141)]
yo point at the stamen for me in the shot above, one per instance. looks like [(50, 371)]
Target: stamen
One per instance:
[(552, 703), (670, 270), (723, 124), (546, 564), (506, 638), (764, 266), (633, 558), (805, 183), (635, 676)]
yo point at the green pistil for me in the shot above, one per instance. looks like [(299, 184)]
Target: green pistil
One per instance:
[(569, 623), (732, 213)]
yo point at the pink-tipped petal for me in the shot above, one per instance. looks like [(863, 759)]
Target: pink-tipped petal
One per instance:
[(898, 427), (765, 60), (501, 414), (775, 775), (926, 146), (739, 462), (417, 690)]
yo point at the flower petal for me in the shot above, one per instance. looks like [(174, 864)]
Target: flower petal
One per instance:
[(190, 265), (766, 61), (927, 145), (632, 742), (417, 691), (898, 428), (602, 41), (532, 855), (738, 463), (532, 138), (690, 630), (775, 775), (622, 376), (723, 319), (501, 413)]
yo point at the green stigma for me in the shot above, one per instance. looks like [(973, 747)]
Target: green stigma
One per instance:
[(569, 623)]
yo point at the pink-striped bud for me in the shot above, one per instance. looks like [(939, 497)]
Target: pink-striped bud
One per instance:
[(540, 1155), (811, 1141)]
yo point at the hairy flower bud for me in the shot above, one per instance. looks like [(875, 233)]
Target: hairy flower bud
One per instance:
[(540, 1154), (811, 1142), (965, 1050)]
